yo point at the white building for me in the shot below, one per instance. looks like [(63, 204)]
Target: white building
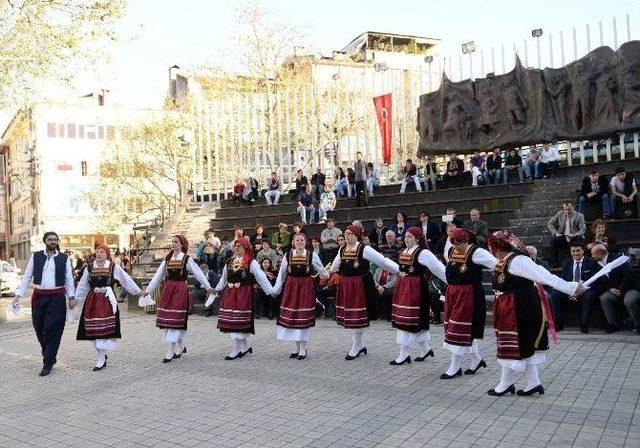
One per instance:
[(53, 153)]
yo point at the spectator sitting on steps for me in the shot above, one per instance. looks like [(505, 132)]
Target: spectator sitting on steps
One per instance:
[(305, 205), (599, 235), (318, 181), (373, 179), (327, 203), (477, 226), (238, 192), (513, 164), (549, 160), (410, 175), (273, 193), (478, 169), (564, 226), (301, 184), (494, 167), (623, 194), (595, 190)]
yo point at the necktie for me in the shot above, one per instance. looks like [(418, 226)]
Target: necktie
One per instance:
[(567, 226), (576, 272)]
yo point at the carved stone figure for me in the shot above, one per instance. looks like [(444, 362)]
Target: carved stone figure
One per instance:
[(629, 75)]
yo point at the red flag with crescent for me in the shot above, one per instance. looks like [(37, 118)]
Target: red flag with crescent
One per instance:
[(383, 107)]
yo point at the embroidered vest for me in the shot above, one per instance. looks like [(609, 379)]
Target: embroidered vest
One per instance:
[(352, 263), (299, 265), (100, 277), (461, 270), (176, 270)]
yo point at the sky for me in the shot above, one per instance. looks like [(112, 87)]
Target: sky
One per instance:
[(157, 34)]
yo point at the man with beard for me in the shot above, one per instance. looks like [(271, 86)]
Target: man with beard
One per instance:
[(52, 284)]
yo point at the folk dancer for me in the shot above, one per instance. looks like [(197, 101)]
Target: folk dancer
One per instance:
[(100, 317), (521, 312), (355, 294), (174, 307), (298, 306), (465, 307), (411, 302), (52, 277), (236, 306)]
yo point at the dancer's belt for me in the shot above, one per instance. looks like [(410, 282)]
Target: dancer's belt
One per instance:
[(234, 285)]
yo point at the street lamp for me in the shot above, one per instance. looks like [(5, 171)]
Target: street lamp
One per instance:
[(536, 34), (469, 48)]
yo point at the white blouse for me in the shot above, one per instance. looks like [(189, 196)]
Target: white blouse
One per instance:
[(282, 274), (191, 267), (525, 267), (119, 274), (371, 255), (254, 268), (429, 261)]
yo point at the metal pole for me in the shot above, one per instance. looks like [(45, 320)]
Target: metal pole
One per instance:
[(538, 51)]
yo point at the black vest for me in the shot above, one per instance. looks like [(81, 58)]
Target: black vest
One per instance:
[(177, 269), (60, 260), (299, 265), (100, 277), (503, 281), (408, 263), (237, 273), (353, 264), (461, 270)]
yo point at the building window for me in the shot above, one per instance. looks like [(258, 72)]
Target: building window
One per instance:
[(60, 130), (91, 132), (51, 130), (80, 131), (83, 168), (101, 132), (71, 130), (111, 133)]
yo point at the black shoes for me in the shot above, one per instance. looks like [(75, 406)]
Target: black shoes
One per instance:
[(612, 328), (249, 350), (178, 355), (584, 329), (511, 389), (166, 360), (231, 358), (446, 376), (538, 389), (559, 326), (406, 360), (97, 369), (294, 355), (422, 358), (301, 357), (473, 371), (45, 371), (351, 358)]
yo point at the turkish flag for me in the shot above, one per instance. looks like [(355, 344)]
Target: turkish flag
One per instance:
[(383, 112)]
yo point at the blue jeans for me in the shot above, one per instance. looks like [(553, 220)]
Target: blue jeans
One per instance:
[(342, 187), (606, 204), (536, 170), (505, 174), (496, 175)]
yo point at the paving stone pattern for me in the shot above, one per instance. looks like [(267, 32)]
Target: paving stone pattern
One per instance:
[(266, 399)]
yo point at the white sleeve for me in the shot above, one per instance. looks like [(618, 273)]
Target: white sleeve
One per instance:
[(195, 270), (26, 279), (483, 257), (430, 261), (447, 247), (125, 280), (261, 277), (282, 276), (68, 285), (524, 266), (157, 278), (378, 259), (222, 283), (335, 264), (83, 285), (317, 264)]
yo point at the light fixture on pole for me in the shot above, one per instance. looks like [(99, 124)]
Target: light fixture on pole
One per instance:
[(469, 48), (536, 34)]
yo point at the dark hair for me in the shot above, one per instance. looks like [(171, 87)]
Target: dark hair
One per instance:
[(266, 259), (424, 213), (592, 172), (568, 201), (404, 217), (370, 164), (620, 169), (47, 235), (359, 152), (315, 238), (577, 242), (409, 160)]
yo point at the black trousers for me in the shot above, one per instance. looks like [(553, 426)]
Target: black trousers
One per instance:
[(556, 243), (362, 198), (49, 316)]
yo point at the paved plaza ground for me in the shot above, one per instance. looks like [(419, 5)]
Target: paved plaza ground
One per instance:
[(266, 399)]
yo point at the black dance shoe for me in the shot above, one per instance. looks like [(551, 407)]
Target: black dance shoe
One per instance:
[(351, 358), (473, 371), (511, 389), (178, 355), (584, 329), (45, 371), (406, 360), (301, 357), (446, 376), (294, 355), (538, 389), (166, 360), (231, 358), (97, 369), (422, 358), (245, 353)]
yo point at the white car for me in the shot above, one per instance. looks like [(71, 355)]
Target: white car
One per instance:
[(9, 278)]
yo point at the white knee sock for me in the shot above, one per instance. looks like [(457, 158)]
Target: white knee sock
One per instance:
[(424, 348), (237, 347), (404, 352), (297, 347), (170, 350), (303, 348), (94, 343), (533, 379), (101, 358), (475, 356), (179, 346), (507, 378), (357, 343), (455, 364), (244, 345)]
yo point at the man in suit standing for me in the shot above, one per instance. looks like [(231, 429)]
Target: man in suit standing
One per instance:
[(577, 269), (624, 286), (564, 226), (595, 189)]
